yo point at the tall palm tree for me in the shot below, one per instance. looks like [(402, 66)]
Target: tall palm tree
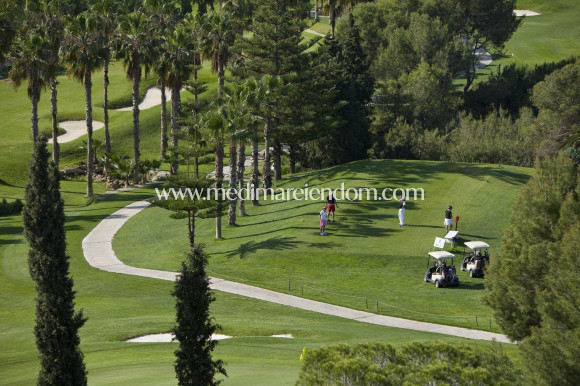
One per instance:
[(335, 8), (163, 15), (220, 32), (106, 12), (30, 58), (81, 51), (48, 18), (214, 131), (267, 90), (178, 54), (135, 44), (235, 116)]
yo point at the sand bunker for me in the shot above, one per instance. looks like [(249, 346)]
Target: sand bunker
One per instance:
[(168, 337), (152, 99), (484, 58), (525, 12), (75, 129)]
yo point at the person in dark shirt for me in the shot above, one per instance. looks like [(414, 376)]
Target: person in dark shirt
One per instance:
[(331, 203), (448, 219)]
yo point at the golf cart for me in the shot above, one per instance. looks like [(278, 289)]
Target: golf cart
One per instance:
[(476, 259), (440, 273)]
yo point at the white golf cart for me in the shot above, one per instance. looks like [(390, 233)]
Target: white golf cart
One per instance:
[(475, 258), (440, 273)]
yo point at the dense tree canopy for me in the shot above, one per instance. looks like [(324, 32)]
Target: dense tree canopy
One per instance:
[(532, 285), (414, 364)]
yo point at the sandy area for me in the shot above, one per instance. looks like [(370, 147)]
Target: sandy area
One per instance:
[(168, 337), (484, 58), (152, 99), (75, 129), (525, 12)]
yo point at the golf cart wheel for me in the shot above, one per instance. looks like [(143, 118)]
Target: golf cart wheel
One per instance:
[(471, 273), (425, 278), (437, 285)]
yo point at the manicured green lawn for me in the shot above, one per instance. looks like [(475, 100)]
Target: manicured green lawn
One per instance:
[(120, 306), (550, 37), (367, 257)]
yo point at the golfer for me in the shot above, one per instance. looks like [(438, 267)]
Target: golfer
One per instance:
[(332, 205), (323, 219), (448, 219), (402, 213)]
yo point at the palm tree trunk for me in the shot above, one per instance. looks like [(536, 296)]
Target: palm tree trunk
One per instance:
[(163, 119), (220, 79), (219, 174), (136, 79), (266, 172), (241, 167), (255, 173), (53, 111), (175, 99), (106, 112), (233, 183), (332, 19), (316, 10), (277, 160), (34, 116), (191, 228), (89, 120)]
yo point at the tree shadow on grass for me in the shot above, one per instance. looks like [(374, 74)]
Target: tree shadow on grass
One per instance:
[(463, 285), (274, 244)]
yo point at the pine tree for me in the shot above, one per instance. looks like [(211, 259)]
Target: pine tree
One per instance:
[(532, 285), (57, 323), (346, 72), (194, 364), (275, 48)]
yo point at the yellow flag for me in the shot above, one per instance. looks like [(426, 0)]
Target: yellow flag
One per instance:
[(303, 353)]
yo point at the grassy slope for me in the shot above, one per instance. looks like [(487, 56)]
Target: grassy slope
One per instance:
[(15, 130), (550, 37), (367, 254), (120, 307)]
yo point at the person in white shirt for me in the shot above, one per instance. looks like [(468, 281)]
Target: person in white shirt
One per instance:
[(323, 220), (402, 213)]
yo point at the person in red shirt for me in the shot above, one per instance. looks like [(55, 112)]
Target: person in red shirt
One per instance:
[(332, 205)]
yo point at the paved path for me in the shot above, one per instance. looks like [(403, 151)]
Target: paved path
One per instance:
[(98, 251), (313, 32)]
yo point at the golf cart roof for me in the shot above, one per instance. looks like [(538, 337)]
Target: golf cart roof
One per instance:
[(441, 255), (476, 245)]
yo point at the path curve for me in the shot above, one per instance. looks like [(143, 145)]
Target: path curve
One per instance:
[(152, 98), (99, 253), (313, 32), (75, 129)]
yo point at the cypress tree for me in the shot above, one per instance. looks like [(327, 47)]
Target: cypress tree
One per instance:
[(194, 364), (57, 323)]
